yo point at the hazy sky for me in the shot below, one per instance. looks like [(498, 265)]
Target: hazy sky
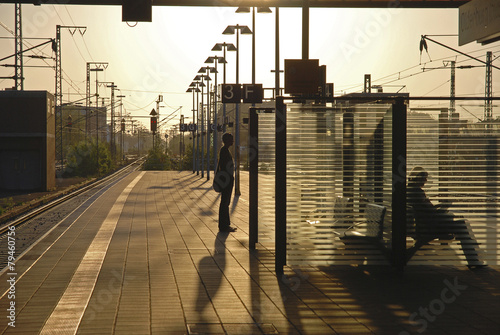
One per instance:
[(163, 57)]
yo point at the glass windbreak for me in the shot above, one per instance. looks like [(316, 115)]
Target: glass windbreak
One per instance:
[(267, 170), (453, 185), (339, 183)]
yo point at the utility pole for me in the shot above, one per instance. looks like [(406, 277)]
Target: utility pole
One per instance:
[(58, 92), (122, 125), (488, 106), (97, 66), (113, 144), (489, 66), (452, 89), (160, 99), (111, 84), (132, 121), (19, 77)]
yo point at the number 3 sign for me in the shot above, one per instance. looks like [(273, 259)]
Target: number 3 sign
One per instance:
[(231, 93)]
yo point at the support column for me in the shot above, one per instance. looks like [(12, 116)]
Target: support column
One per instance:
[(399, 183), (305, 29), (280, 186), (254, 178)]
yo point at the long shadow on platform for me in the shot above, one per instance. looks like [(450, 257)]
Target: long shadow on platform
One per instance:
[(211, 271), (423, 299), (267, 292)]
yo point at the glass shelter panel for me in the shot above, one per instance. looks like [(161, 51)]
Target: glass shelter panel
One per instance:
[(453, 158), (339, 183), (267, 170)]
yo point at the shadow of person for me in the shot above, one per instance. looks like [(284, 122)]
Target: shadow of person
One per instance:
[(211, 270)]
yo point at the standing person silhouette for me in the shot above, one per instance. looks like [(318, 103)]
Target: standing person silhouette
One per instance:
[(435, 221), (226, 165)]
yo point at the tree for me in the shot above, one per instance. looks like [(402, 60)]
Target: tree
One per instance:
[(81, 160)]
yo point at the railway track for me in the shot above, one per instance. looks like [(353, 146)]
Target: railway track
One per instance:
[(37, 211), (29, 227)]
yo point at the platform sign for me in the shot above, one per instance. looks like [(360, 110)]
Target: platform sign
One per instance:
[(302, 76), (479, 20), (231, 93), (250, 93), (253, 93)]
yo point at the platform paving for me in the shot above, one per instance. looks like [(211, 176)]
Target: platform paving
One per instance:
[(147, 258)]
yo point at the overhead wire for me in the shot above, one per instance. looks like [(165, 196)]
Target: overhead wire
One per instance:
[(399, 73), (83, 38), (76, 88)]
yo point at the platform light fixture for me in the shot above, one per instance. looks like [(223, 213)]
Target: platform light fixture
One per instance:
[(231, 30)]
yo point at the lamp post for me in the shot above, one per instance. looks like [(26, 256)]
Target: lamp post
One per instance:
[(224, 47), (259, 10), (122, 129), (207, 70), (132, 135), (194, 88), (198, 80), (231, 30), (97, 70), (203, 78), (216, 60), (123, 121)]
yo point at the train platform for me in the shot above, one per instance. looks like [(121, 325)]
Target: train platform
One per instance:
[(146, 257)]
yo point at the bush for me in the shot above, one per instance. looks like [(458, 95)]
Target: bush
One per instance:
[(81, 160), (187, 160), (157, 159)]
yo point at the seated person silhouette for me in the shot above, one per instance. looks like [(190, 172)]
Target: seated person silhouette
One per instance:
[(436, 222)]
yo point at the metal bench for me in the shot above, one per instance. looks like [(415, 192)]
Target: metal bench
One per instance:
[(356, 232), (371, 229)]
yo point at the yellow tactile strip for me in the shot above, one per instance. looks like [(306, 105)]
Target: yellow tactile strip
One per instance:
[(67, 315)]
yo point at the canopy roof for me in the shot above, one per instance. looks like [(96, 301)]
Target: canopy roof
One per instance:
[(268, 3)]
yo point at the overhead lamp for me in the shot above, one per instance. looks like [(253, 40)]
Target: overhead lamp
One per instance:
[(207, 69), (211, 60), (230, 30), (197, 78), (220, 47), (243, 10), (246, 30), (193, 89), (264, 10), (259, 10), (197, 84)]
